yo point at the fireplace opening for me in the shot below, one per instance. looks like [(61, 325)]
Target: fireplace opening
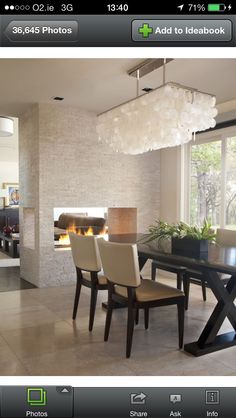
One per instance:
[(81, 221)]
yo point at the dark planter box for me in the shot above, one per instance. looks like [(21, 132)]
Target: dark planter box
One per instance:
[(190, 247)]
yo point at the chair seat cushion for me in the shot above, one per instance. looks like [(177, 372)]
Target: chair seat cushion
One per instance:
[(149, 291), (101, 278)]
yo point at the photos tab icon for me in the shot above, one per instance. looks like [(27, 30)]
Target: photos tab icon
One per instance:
[(36, 396)]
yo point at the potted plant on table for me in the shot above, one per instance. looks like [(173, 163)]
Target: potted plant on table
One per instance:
[(189, 240)]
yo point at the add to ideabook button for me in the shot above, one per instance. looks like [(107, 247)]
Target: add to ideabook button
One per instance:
[(182, 30)]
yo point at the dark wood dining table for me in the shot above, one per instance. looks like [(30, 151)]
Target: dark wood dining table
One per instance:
[(219, 260)]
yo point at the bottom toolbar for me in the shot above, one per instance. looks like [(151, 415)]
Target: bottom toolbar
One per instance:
[(68, 402)]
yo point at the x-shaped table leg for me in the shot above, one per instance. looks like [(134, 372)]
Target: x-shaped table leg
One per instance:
[(225, 308)]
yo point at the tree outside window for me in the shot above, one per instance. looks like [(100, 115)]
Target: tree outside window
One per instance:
[(210, 195)]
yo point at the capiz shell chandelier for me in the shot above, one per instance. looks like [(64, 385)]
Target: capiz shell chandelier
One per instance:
[(166, 117)]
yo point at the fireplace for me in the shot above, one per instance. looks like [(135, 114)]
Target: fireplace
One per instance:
[(81, 221), (92, 221)]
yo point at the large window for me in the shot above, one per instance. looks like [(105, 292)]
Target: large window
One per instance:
[(213, 182), (230, 190)]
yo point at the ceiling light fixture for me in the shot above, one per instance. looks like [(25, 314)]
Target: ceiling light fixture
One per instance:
[(168, 116), (147, 89), (6, 126), (58, 98)]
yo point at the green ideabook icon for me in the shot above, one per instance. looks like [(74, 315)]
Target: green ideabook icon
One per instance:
[(36, 396), (145, 30)]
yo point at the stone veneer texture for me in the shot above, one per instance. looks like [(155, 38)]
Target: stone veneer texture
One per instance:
[(63, 165)]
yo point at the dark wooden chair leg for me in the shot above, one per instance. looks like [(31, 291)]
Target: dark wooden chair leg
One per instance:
[(179, 280), (108, 323), (146, 317), (153, 273), (130, 330), (186, 283), (204, 291), (137, 316), (93, 302), (76, 302), (181, 309), (109, 314)]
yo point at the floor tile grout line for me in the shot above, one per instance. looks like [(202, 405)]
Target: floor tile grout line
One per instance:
[(13, 351), (32, 326)]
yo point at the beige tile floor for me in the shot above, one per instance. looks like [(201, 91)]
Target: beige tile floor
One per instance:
[(38, 337)]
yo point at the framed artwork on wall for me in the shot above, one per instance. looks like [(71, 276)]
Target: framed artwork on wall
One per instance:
[(13, 197)]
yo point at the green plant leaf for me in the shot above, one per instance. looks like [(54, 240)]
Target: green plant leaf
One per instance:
[(161, 229)]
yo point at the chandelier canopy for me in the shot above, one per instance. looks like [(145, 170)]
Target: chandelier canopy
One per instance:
[(166, 117)]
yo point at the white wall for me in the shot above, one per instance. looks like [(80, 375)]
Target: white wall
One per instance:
[(170, 184), (62, 164), (9, 172)]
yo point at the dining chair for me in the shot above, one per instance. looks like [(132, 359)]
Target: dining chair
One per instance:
[(89, 273), (178, 270), (224, 238), (125, 286)]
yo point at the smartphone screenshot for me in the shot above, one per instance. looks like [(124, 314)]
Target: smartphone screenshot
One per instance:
[(117, 209)]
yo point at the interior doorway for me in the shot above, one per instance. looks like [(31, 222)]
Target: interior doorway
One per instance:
[(9, 213)]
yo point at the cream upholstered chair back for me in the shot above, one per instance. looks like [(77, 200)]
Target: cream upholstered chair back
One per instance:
[(85, 252), (120, 263), (226, 237)]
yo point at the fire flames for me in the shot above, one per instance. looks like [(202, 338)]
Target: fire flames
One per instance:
[(65, 239)]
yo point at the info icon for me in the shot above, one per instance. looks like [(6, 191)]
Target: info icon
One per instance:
[(212, 397)]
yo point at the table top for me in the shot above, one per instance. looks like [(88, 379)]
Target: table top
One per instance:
[(220, 259), (12, 237)]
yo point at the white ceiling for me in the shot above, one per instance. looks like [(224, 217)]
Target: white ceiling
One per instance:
[(98, 84)]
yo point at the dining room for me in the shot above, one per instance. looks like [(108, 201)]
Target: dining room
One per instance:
[(142, 152)]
